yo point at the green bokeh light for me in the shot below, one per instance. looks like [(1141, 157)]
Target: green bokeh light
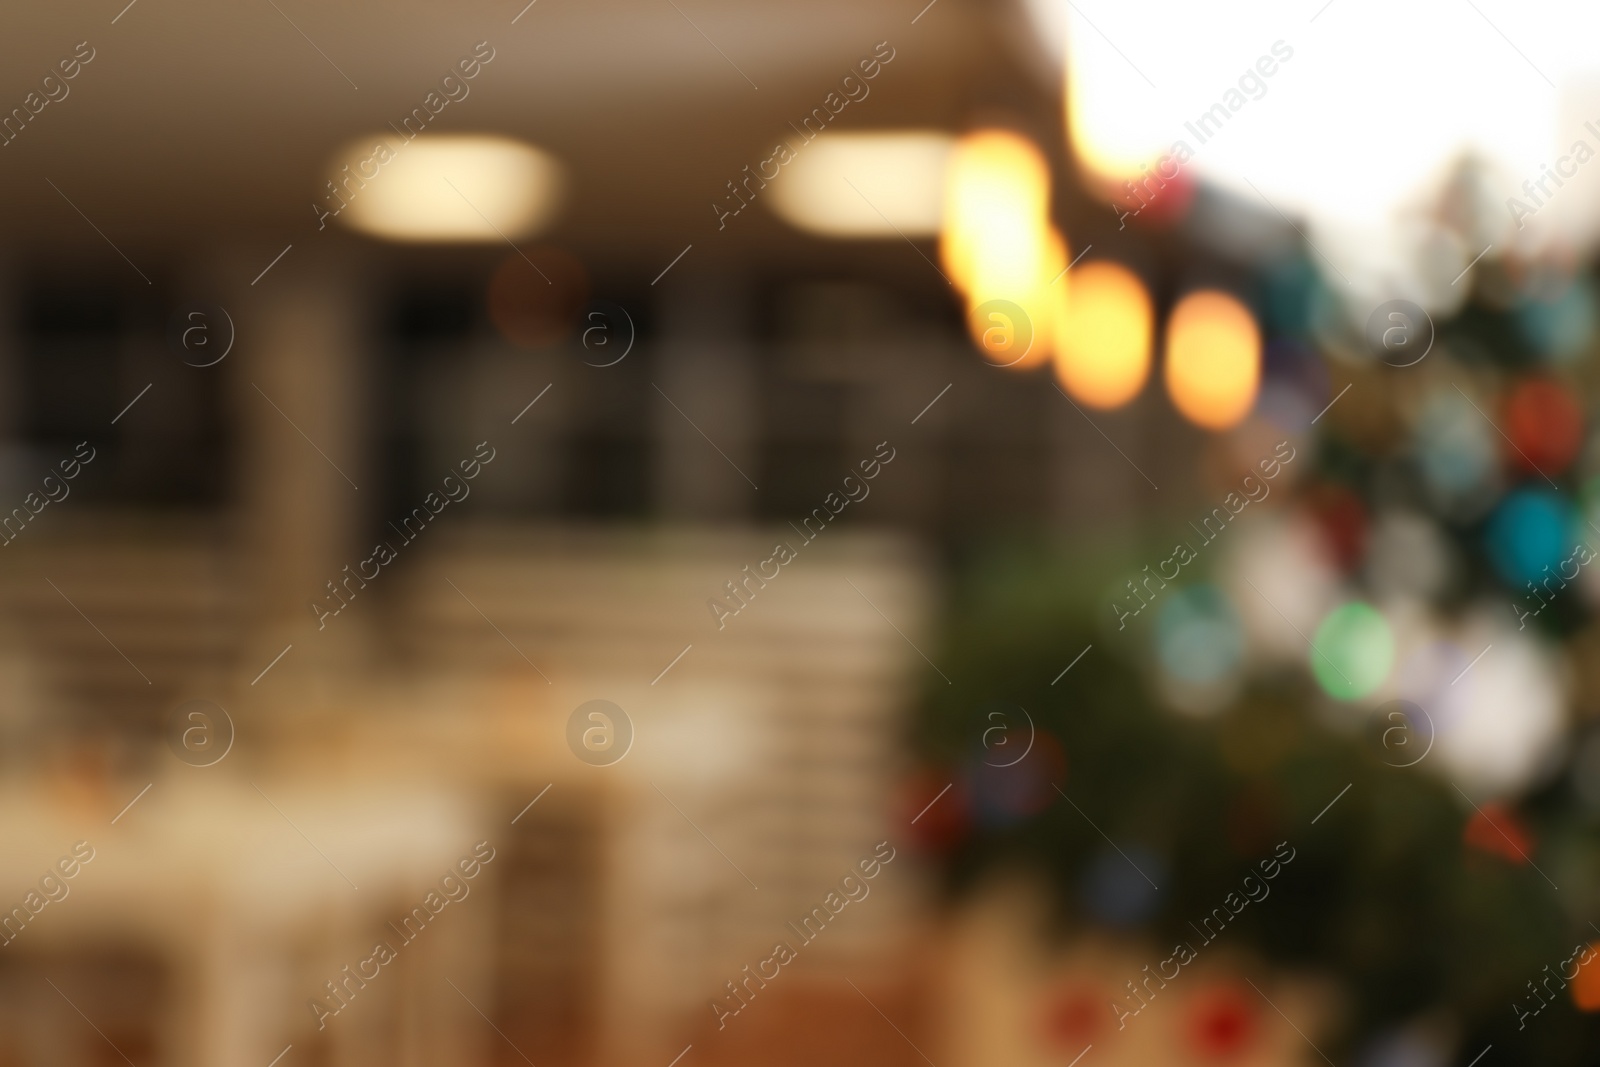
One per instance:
[(1354, 651)]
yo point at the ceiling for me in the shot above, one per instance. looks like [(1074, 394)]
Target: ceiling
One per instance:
[(199, 123)]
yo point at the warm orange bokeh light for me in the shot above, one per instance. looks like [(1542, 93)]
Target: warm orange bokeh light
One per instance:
[(1020, 286), (1213, 359), (996, 205), (1103, 328), (998, 247), (1586, 986)]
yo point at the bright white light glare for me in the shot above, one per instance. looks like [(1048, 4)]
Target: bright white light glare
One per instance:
[(1498, 725), (898, 180), (1353, 114), (1278, 576), (444, 188)]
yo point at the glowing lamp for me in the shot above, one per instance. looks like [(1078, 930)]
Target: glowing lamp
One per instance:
[(1213, 364), (886, 184), (443, 188), (996, 207), (1103, 334), (1011, 307)]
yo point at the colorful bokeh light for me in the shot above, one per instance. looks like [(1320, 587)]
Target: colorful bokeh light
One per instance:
[(1104, 328), (1198, 637), (1213, 366), (1561, 326), (1458, 452), (1529, 535), (997, 244), (997, 198), (1352, 652), (1586, 986), (1010, 306), (1545, 427)]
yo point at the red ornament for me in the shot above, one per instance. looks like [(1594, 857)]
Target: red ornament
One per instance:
[(1495, 830), (1341, 518), (1223, 1021), (1154, 199), (1159, 195), (1545, 425)]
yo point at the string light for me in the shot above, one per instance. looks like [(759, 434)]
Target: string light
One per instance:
[(1103, 333), (997, 245), (1213, 364)]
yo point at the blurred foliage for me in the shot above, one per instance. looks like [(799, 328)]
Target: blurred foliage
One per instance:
[(1383, 895)]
